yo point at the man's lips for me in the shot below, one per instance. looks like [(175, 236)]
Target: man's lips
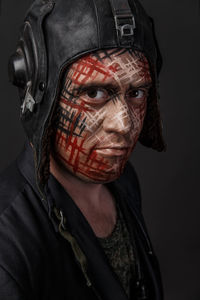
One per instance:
[(112, 151)]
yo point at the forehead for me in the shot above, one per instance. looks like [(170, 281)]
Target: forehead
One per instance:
[(120, 66)]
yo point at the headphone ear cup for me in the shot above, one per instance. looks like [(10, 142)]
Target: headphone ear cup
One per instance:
[(23, 64), (17, 69)]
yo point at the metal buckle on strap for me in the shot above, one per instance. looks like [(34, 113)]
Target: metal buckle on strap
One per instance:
[(29, 102), (125, 25)]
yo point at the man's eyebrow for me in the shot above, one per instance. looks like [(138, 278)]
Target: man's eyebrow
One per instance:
[(141, 86), (108, 86)]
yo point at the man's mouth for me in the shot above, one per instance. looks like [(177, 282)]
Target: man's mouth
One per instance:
[(112, 151)]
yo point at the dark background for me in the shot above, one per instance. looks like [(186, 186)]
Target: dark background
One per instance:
[(169, 181)]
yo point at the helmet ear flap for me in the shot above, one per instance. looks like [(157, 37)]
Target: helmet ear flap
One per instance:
[(159, 59), (151, 135)]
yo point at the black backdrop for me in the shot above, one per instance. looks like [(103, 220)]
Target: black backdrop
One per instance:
[(169, 181)]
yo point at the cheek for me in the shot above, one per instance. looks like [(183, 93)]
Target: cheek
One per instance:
[(70, 123), (77, 123), (137, 116), (94, 120)]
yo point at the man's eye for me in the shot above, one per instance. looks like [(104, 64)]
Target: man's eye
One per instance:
[(136, 94), (96, 95)]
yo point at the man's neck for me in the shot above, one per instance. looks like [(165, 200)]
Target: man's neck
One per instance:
[(94, 200)]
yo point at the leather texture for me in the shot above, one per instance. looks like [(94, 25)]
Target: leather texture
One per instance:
[(62, 31)]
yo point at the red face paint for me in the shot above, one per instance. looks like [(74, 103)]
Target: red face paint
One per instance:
[(100, 113)]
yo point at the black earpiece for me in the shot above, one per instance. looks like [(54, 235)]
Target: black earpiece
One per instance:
[(17, 69), (23, 68)]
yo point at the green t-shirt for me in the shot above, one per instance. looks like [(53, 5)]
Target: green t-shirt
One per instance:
[(119, 251)]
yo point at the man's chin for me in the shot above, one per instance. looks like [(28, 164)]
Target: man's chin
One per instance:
[(100, 177)]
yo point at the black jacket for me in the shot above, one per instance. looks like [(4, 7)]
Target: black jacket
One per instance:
[(36, 262)]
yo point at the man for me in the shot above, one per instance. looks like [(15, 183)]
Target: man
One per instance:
[(71, 225)]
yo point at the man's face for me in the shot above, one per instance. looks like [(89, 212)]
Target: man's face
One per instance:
[(100, 113)]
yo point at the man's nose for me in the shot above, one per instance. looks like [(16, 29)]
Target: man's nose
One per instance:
[(118, 118)]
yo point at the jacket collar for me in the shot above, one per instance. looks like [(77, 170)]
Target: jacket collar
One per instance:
[(25, 162)]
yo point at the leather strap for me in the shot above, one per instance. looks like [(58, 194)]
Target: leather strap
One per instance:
[(120, 7), (124, 22)]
